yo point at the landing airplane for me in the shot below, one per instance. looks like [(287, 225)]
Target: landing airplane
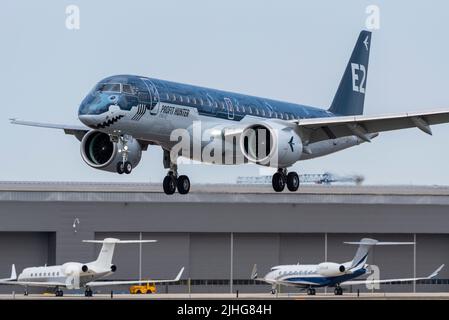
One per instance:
[(331, 274), (124, 114), (75, 275)]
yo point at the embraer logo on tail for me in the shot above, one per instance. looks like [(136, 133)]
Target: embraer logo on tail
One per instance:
[(358, 85), (365, 42)]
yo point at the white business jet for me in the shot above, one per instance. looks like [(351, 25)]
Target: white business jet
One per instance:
[(331, 274), (75, 275)]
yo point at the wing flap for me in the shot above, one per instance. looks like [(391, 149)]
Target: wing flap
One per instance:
[(336, 127)]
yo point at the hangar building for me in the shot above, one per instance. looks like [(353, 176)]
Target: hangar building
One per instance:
[(219, 232)]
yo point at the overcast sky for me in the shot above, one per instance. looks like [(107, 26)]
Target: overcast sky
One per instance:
[(288, 50)]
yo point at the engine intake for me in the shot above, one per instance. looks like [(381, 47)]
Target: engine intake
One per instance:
[(84, 268), (271, 144), (99, 152), (113, 268)]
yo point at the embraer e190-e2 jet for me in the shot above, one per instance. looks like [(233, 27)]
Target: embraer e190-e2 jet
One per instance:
[(124, 114)]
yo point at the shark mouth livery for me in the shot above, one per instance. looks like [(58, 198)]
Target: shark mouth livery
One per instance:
[(109, 122), (124, 114)]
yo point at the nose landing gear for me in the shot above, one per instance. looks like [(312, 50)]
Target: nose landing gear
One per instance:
[(281, 178), (123, 166)]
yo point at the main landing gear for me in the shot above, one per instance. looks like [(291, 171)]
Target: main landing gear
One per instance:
[(282, 178), (338, 291), (172, 182), (123, 166), (311, 291), (88, 292), (59, 292)]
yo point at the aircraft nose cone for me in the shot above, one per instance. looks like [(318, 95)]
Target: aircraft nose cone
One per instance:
[(86, 119)]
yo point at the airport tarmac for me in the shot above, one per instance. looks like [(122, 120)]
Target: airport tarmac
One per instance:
[(242, 296)]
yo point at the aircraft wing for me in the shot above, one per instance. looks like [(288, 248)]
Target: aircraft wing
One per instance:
[(32, 283), (117, 283), (77, 130), (318, 129), (358, 282)]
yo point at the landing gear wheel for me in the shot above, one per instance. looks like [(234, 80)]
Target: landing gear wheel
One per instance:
[(59, 293), (120, 167), (88, 293), (273, 291), (278, 182), (127, 167), (183, 184), (311, 291), (338, 291), (169, 184), (292, 181), (25, 293)]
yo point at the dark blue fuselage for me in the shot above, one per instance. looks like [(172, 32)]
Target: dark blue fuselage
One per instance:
[(127, 91)]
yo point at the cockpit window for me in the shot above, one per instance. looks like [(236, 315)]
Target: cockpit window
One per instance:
[(128, 89), (110, 87)]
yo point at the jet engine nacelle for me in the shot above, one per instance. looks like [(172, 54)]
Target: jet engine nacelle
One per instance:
[(113, 268), (99, 152), (331, 269), (271, 144)]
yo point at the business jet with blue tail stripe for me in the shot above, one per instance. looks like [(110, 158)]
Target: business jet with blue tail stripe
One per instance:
[(125, 114), (76, 275), (331, 274)]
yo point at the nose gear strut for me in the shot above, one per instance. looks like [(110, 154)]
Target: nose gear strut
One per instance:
[(123, 166)]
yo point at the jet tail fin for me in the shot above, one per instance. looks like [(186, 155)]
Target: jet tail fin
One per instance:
[(365, 246), (350, 96), (104, 259)]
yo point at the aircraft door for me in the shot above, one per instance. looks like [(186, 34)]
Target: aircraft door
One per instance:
[(230, 108), (154, 97)]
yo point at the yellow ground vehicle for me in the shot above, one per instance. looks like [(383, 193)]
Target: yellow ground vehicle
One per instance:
[(142, 289)]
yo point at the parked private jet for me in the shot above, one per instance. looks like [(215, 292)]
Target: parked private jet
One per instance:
[(124, 114), (75, 275), (331, 274)]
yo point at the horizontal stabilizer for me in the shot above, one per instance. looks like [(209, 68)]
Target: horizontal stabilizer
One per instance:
[(113, 240)]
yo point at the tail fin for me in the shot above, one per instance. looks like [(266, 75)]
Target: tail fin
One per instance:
[(104, 259), (364, 247), (350, 95), (13, 272), (254, 274)]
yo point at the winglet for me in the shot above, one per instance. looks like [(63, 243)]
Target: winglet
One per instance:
[(179, 274), (13, 273), (254, 272), (435, 273)]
